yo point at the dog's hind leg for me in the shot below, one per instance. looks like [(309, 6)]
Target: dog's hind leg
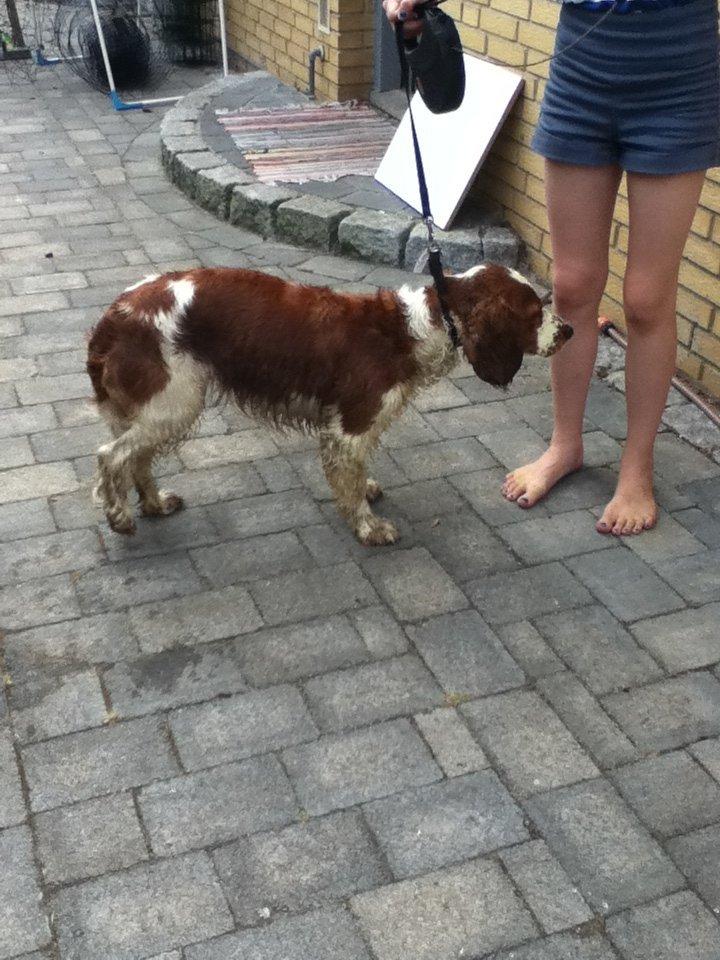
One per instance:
[(159, 425), (344, 461)]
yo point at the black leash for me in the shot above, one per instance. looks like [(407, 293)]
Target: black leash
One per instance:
[(433, 249)]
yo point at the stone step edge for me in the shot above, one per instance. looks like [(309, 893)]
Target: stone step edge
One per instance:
[(284, 214)]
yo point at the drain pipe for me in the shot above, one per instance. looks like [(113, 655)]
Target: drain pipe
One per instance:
[(610, 330), (317, 54)]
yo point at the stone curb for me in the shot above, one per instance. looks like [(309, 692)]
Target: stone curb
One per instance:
[(280, 212)]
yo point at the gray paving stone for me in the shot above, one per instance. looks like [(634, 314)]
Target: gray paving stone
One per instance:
[(685, 640), (426, 498), (708, 753), (30, 518), (310, 221), (49, 389), (464, 545), (675, 928), (15, 452), (343, 770), (703, 526), (49, 555), (238, 727), (563, 946), (95, 762), (547, 889), (254, 206), (514, 446), (68, 442), (268, 513), (669, 714), (89, 838), (217, 805), (196, 619), (541, 539), (671, 794), (207, 452), (528, 742), (697, 856), (69, 645), (52, 705), (217, 483), (598, 649), (469, 422), (528, 649), (465, 655), (444, 823), (414, 585), (625, 584), (451, 742), (141, 911), (37, 601), (299, 596), (38, 480), (679, 463), (668, 541), (268, 555), (464, 911), (23, 924), (301, 868), (156, 535), (409, 430), (382, 634), (613, 860), (696, 578), (301, 650), (117, 585), (586, 720), (526, 594), (371, 692), (12, 805), (432, 460), (321, 935), (173, 678), (373, 235), (442, 395)]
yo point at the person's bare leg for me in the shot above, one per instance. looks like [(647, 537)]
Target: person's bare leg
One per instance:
[(661, 212), (580, 202)]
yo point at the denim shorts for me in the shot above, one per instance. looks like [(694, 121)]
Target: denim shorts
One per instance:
[(641, 91)]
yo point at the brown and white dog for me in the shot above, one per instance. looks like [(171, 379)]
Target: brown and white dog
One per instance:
[(343, 365)]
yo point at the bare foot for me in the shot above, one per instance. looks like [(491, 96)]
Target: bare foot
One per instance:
[(631, 510), (530, 483)]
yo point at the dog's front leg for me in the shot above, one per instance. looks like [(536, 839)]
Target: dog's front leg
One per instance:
[(344, 460)]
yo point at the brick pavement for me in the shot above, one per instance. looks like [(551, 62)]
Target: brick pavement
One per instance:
[(240, 734)]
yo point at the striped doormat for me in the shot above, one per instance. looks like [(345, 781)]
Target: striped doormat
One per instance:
[(309, 142)]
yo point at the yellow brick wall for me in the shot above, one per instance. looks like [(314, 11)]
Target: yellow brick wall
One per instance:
[(518, 33), (278, 35)]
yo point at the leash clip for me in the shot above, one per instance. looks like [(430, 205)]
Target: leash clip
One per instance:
[(432, 244)]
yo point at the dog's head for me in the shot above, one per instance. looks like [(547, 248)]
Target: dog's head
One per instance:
[(500, 318)]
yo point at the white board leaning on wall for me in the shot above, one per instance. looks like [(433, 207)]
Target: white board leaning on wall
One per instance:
[(453, 145)]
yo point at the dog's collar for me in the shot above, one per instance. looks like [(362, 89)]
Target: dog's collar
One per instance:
[(436, 271)]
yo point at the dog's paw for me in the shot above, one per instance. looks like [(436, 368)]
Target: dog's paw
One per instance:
[(373, 491), (377, 532), (166, 504), (121, 523)]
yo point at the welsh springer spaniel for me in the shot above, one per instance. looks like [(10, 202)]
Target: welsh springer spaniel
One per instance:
[(343, 365)]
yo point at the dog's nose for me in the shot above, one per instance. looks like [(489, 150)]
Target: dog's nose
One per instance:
[(566, 331)]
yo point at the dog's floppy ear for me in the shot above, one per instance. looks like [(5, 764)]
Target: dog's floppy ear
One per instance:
[(490, 344)]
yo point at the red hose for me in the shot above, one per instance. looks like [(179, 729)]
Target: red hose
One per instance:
[(610, 330)]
